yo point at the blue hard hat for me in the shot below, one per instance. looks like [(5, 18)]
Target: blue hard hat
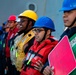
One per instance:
[(44, 22), (68, 5), (4, 23)]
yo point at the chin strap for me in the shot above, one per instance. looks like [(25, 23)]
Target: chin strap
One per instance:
[(73, 23), (44, 35)]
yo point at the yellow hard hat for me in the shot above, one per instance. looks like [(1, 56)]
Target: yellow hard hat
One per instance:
[(30, 14)]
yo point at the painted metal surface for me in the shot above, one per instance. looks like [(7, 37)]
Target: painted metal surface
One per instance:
[(48, 8)]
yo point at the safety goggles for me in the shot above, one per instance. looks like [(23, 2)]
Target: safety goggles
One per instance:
[(37, 30), (21, 21)]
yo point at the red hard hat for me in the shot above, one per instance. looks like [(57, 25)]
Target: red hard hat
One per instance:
[(12, 18)]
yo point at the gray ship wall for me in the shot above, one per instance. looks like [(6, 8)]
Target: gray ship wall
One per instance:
[(48, 8)]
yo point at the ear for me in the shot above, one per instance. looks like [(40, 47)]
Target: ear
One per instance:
[(48, 32), (30, 23)]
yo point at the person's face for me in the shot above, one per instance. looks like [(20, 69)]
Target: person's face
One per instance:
[(11, 24), (7, 29), (68, 17), (39, 34), (18, 25), (23, 23)]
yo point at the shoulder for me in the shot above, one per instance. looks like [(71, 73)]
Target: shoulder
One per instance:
[(52, 38)]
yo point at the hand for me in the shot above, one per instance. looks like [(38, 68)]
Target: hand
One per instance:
[(38, 66), (48, 70)]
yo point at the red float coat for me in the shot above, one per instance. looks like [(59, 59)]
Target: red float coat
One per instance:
[(10, 35), (39, 52)]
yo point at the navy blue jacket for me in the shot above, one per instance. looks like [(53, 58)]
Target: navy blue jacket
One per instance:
[(2, 52)]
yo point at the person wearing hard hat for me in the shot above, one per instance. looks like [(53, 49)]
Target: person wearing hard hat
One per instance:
[(24, 38), (69, 19), (12, 32), (44, 42)]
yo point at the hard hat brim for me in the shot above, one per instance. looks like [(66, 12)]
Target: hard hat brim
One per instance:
[(43, 27), (67, 9)]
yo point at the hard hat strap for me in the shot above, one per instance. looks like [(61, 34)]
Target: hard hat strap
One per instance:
[(73, 23), (27, 25), (44, 34)]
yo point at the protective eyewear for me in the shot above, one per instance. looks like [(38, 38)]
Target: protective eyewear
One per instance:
[(37, 30), (21, 21)]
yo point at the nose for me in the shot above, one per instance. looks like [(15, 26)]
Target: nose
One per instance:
[(65, 14)]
